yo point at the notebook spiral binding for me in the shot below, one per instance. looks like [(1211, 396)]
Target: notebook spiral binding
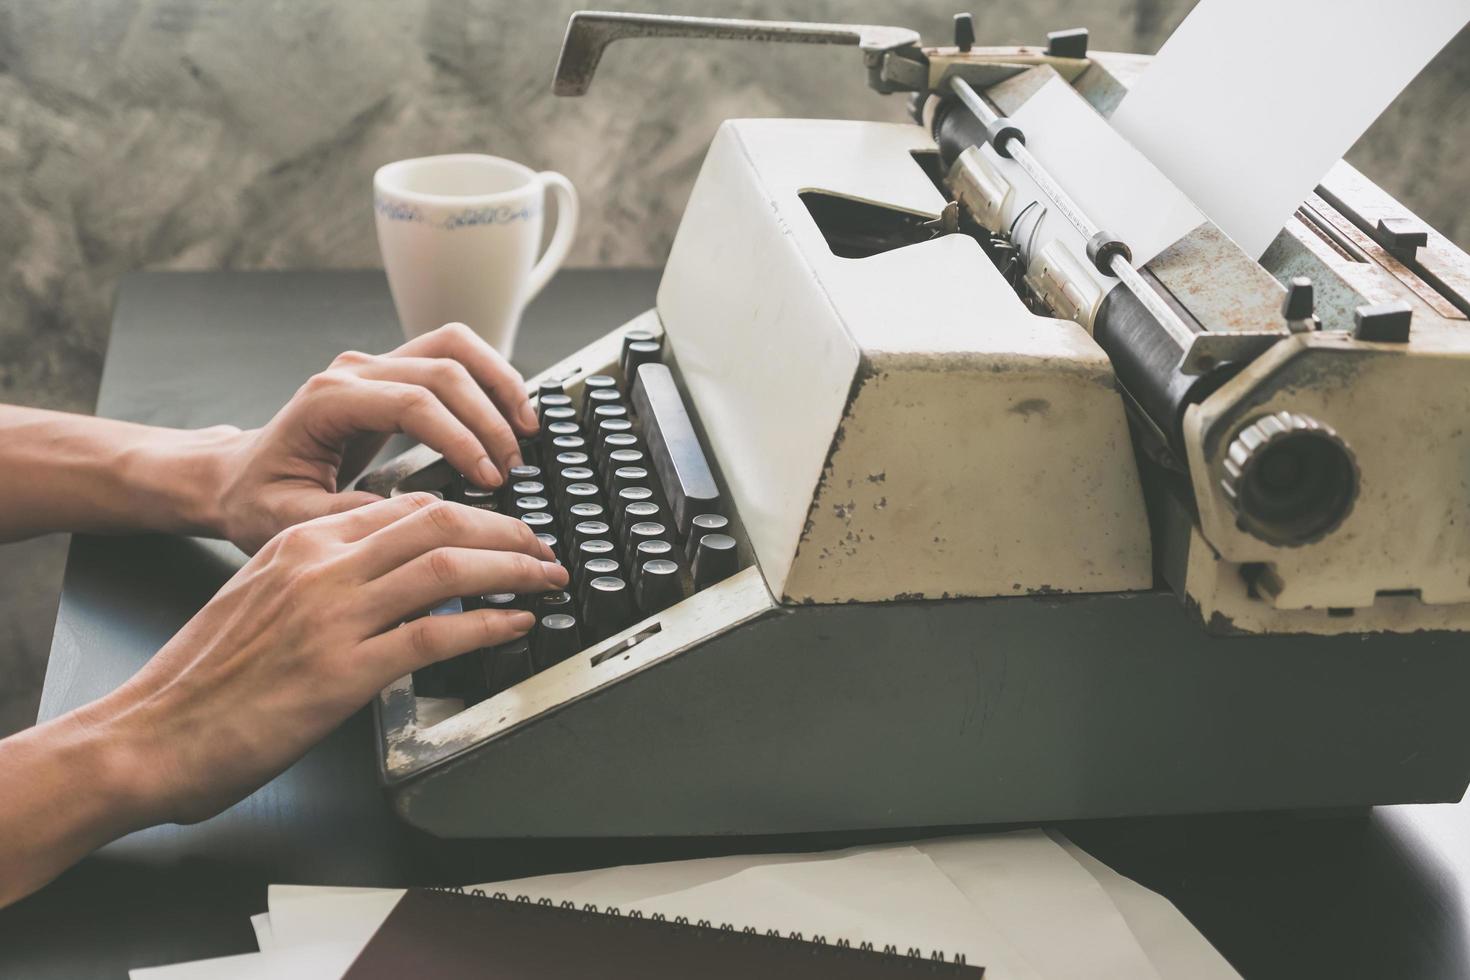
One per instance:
[(935, 961)]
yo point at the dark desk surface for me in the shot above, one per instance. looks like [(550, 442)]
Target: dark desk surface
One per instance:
[(1375, 894)]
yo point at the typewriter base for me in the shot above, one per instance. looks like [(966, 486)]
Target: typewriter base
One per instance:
[(966, 712)]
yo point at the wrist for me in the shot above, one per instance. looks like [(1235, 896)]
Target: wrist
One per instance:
[(179, 478), (71, 786)]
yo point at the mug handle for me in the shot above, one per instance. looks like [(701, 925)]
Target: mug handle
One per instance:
[(567, 210)]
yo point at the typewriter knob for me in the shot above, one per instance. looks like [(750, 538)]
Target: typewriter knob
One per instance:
[(964, 32), (1290, 479)]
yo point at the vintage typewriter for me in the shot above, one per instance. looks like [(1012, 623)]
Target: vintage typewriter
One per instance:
[(914, 503)]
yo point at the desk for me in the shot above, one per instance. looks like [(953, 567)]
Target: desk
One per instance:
[(1375, 894)]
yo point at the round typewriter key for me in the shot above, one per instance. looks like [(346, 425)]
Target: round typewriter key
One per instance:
[(642, 531), (654, 548), (498, 600), (554, 602), (636, 354), (586, 511), (629, 476), (478, 497), (548, 539), (659, 585), (701, 525), (577, 474), (607, 608), (529, 505), (528, 488), (714, 560), (617, 458), (609, 410), (556, 638), (565, 459), (551, 386), (539, 521), (559, 413), (637, 334), (589, 531), (568, 443), (595, 381), (523, 472)]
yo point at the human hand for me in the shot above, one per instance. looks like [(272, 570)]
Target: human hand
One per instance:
[(448, 389), (305, 634)]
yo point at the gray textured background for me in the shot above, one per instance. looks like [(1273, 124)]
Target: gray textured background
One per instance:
[(243, 134)]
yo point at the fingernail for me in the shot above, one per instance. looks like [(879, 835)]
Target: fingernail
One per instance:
[(489, 475), (522, 620), (528, 417), (555, 571)]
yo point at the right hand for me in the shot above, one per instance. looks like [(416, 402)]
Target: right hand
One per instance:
[(307, 632)]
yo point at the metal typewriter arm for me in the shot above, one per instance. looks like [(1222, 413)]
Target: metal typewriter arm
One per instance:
[(590, 31)]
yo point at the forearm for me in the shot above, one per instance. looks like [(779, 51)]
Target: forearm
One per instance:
[(70, 786), (66, 472)]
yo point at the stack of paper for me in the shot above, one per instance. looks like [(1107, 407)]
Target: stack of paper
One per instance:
[(1024, 905)]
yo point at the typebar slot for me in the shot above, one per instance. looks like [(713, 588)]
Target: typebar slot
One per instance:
[(675, 448)]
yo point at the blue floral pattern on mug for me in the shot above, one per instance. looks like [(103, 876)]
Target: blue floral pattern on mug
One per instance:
[(503, 214)]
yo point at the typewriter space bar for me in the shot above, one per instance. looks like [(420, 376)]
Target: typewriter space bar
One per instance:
[(673, 446)]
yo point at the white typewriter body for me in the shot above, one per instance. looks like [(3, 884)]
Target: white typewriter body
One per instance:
[(969, 597)]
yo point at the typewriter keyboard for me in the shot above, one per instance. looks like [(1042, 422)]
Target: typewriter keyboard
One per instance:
[(617, 484)]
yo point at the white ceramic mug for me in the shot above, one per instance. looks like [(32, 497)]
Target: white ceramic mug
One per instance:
[(459, 236)]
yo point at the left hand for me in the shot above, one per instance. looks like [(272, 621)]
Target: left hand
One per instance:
[(448, 389)]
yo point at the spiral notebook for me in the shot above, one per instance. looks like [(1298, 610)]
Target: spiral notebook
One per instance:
[(475, 934)]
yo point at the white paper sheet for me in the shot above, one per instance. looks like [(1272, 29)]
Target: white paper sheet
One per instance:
[(1119, 188), (1250, 102), (1174, 946), (262, 925), (1049, 907), (296, 963), (1023, 904)]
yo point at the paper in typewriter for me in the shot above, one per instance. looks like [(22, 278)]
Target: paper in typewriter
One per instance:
[(1251, 102)]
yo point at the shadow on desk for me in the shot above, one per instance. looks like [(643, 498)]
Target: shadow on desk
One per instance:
[(1279, 895)]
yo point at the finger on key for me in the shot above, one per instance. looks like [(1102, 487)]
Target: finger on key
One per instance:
[(504, 383), (345, 404), (443, 573), (440, 525), (352, 525), (449, 380), (429, 639)]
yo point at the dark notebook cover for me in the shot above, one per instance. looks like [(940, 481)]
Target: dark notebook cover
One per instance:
[(450, 934)]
